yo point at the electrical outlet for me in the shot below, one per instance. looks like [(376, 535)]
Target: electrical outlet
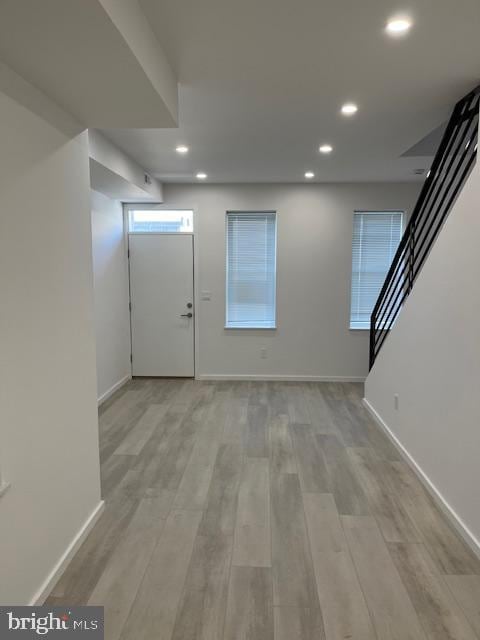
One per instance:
[(263, 352), (395, 401)]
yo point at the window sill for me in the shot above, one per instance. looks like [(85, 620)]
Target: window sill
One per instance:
[(160, 233), (359, 328), (239, 328)]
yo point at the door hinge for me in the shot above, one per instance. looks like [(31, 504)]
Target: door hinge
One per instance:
[(130, 306), (128, 254), (131, 357)]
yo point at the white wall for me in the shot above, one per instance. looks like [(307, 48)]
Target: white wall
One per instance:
[(110, 272), (432, 360), (313, 281), (112, 169), (49, 434)]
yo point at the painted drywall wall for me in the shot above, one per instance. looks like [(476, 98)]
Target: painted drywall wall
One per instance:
[(431, 359), (117, 175), (112, 324), (313, 277), (48, 407)]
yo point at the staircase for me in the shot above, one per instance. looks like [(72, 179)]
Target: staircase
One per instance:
[(453, 161)]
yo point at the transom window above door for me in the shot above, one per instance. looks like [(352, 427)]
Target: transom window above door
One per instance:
[(160, 220)]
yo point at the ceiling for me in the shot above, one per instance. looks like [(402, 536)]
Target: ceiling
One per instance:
[(82, 55), (262, 81)]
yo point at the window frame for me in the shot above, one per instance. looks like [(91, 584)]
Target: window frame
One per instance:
[(274, 213), (403, 214)]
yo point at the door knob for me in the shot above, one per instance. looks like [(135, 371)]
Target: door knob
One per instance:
[(186, 315)]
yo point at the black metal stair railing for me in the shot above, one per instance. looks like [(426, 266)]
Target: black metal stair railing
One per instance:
[(452, 164)]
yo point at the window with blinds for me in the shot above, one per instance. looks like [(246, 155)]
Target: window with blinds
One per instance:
[(251, 270), (376, 235)]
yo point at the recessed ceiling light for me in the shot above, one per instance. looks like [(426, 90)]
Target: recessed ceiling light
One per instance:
[(398, 26), (326, 148), (309, 175), (182, 148), (201, 175), (349, 109)]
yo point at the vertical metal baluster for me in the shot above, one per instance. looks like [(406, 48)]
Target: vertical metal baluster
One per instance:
[(411, 259), (372, 339)]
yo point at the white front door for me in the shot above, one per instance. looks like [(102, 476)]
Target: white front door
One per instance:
[(161, 293)]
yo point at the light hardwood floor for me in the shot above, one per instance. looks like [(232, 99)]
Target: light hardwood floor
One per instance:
[(265, 511)]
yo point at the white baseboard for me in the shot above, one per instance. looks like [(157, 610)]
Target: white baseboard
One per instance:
[(105, 396), (470, 539), (58, 570), (279, 378)]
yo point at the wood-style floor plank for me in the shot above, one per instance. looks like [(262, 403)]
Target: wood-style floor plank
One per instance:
[(321, 419), (119, 582), (392, 612), (298, 412), (221, 507), (394, 522), (250, 605), (119, 407), (439, 613), (169, 460), (343, 483), (466, 590), (352, 432), (443, 543), (218, 413), (373, 436), (310, 461), (143, 475), (344, 610), (135, 440), (292, 570), (85, 569), (202, 609), (282, 456), (194, 485), (235, 428), (323, 523), (257, 430), (242, 474), (155, 607), (277, 400), (251, 546), (112, 473), (291, 623)]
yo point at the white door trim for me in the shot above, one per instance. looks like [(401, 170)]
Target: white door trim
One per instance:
[(196, 269)]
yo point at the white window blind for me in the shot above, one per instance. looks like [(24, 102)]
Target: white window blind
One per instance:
[(376, 235), (251, 270)]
